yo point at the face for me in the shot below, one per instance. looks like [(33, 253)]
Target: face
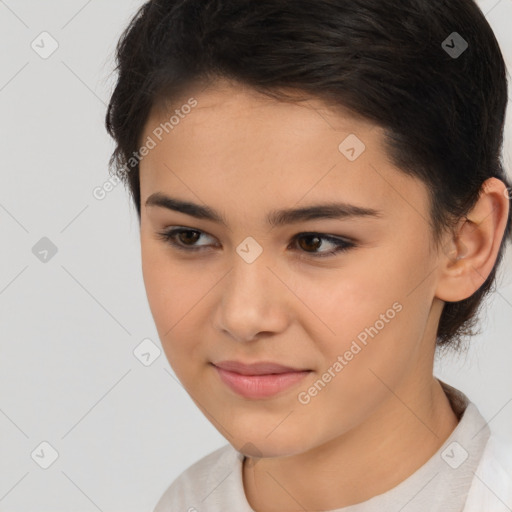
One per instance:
[(345, 297)]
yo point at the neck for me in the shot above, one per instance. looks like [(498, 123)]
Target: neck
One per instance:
[(403, 434)]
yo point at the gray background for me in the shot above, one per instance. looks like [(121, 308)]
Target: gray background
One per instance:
[(68, 374)]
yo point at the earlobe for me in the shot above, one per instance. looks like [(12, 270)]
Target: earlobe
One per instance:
[(471, 253)]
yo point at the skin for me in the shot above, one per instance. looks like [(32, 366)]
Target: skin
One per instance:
[(244, 155)]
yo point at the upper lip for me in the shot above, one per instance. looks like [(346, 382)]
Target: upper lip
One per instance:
[(260, 368)]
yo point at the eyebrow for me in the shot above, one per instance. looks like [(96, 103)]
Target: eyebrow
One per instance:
[(275, 217)]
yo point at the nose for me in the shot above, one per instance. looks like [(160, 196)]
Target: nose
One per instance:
[(254, 302)]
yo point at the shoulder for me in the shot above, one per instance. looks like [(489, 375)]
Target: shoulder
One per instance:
[(497, 460), (212, 483), (492, 484), (501, 450)]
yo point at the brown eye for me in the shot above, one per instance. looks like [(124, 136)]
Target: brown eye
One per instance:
[(184, 239), (184, 236), (310, 243)]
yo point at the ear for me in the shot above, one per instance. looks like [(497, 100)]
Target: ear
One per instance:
[(471, 251)]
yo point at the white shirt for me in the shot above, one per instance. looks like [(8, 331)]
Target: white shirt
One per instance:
[(471, 472)]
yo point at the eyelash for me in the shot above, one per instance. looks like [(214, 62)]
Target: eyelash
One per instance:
[(341, 245)]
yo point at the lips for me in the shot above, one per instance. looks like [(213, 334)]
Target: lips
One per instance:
[(260, 368), (258, 380)]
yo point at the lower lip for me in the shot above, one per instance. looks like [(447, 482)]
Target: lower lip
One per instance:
[(260, 386)]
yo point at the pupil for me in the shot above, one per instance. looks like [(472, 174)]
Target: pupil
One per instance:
[(315, 244), (194, 235)]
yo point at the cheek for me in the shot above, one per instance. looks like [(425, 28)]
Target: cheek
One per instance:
[(172, 295), (377, 333), (161, 283), (343, 302), (376, 314)]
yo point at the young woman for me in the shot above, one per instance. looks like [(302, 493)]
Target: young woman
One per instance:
[(322, 205)]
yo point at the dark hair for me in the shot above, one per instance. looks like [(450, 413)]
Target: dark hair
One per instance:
[(397, 64)]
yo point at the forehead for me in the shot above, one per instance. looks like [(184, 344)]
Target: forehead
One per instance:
[(236, 141), (238, 106)]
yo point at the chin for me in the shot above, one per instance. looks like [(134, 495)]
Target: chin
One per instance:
[(259, 445)]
